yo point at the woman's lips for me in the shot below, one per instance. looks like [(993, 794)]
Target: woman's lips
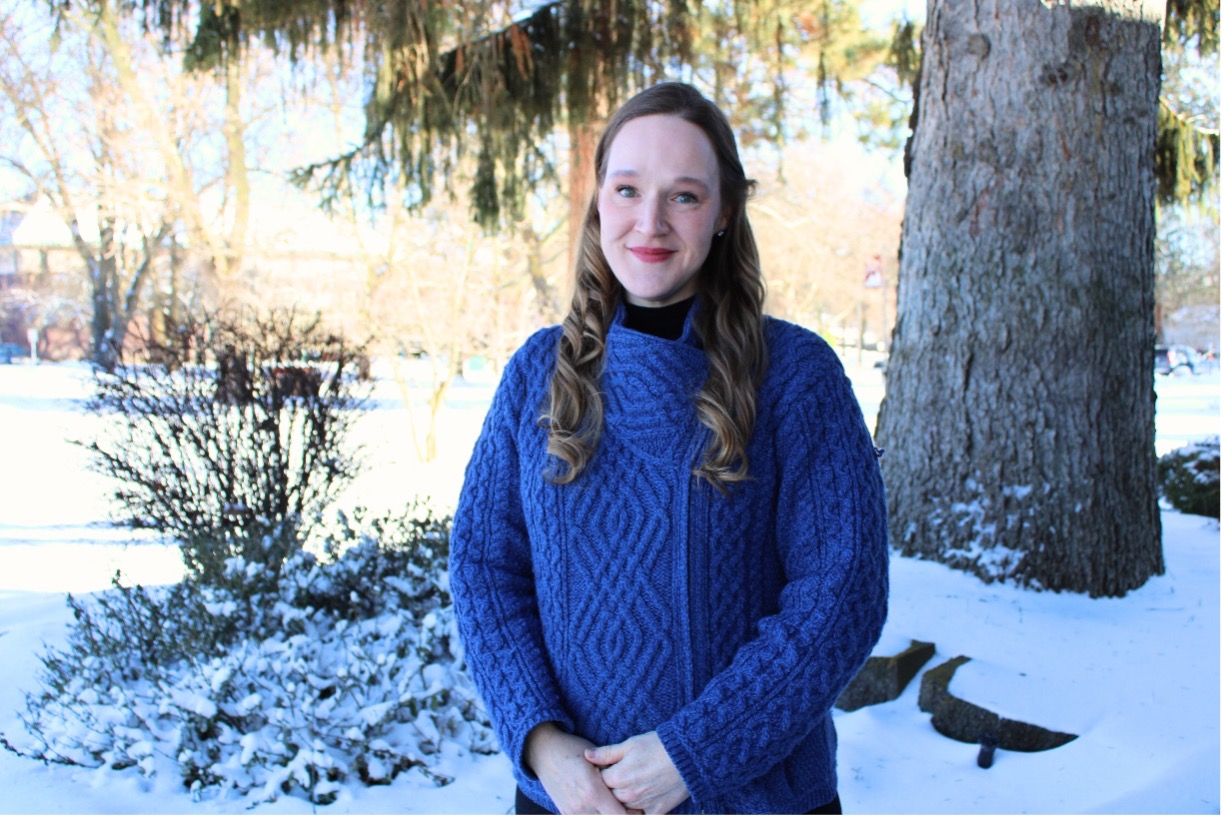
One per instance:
[(652, 254)]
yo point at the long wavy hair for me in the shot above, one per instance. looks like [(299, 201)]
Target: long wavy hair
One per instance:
[(728, 321)]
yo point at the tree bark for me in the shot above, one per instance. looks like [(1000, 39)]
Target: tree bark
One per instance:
[(1019, 417), (583, 140)]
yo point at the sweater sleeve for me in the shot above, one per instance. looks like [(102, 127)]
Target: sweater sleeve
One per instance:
[(492, 579), (832, 539)]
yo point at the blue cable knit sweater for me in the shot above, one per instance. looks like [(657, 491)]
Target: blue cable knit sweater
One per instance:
[(637, 598)]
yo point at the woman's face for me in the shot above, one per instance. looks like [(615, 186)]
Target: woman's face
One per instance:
[(659, 208)]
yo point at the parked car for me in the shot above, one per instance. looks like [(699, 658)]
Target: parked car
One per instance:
[(1168, 360), (12, 352)]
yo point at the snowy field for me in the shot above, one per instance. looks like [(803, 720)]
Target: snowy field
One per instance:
[(1138, 679)]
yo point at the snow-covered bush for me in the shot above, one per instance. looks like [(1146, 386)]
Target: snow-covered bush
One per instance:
[(346, 670), (1190, 478), (231, 434)]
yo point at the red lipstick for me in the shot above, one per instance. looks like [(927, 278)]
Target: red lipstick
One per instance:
[(652, 254)]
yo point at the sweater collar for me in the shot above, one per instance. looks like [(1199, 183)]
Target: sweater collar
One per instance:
[(689, 334), (647, 377)]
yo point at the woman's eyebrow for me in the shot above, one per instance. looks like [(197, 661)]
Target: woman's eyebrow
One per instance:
[(629, 173), (692, 180)]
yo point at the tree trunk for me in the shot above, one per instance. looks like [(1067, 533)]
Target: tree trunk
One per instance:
[(238, 183), (101, 266), (1019, 418), (583, 140)]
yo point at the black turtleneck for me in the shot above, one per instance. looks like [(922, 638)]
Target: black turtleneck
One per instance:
[(663, 322)]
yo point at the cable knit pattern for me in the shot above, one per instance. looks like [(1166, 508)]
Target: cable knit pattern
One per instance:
[(637, 598)]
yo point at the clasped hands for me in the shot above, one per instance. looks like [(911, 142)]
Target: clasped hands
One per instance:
[(634, 777)]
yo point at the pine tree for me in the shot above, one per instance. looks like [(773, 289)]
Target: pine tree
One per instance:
[(451, 81)]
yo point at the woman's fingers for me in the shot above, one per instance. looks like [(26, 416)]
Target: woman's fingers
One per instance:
[(605, 756), (641, 774), (574, 784)]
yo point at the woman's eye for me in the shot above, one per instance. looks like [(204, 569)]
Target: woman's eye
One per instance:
[(686, 198), (625, 191)]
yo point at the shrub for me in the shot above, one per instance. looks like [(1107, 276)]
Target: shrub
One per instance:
[(344, 671), (1190, 478), (232, 436)]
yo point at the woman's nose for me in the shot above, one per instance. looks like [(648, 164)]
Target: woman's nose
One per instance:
[(651, 218)]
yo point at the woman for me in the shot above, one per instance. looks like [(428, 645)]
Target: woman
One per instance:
[(669, 554)]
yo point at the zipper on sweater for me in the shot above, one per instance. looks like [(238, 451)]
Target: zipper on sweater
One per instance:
[(688, 569)]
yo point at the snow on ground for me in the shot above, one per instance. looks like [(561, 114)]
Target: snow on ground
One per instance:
[(1138, 679)]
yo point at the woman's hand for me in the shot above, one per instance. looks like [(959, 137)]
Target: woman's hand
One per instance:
[(640, 774), (574, 784)]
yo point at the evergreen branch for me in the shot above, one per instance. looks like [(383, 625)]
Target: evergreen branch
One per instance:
[(1189, 120), (1188, 156)]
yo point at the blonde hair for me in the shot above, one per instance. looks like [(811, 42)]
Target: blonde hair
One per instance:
[(728, 322)]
